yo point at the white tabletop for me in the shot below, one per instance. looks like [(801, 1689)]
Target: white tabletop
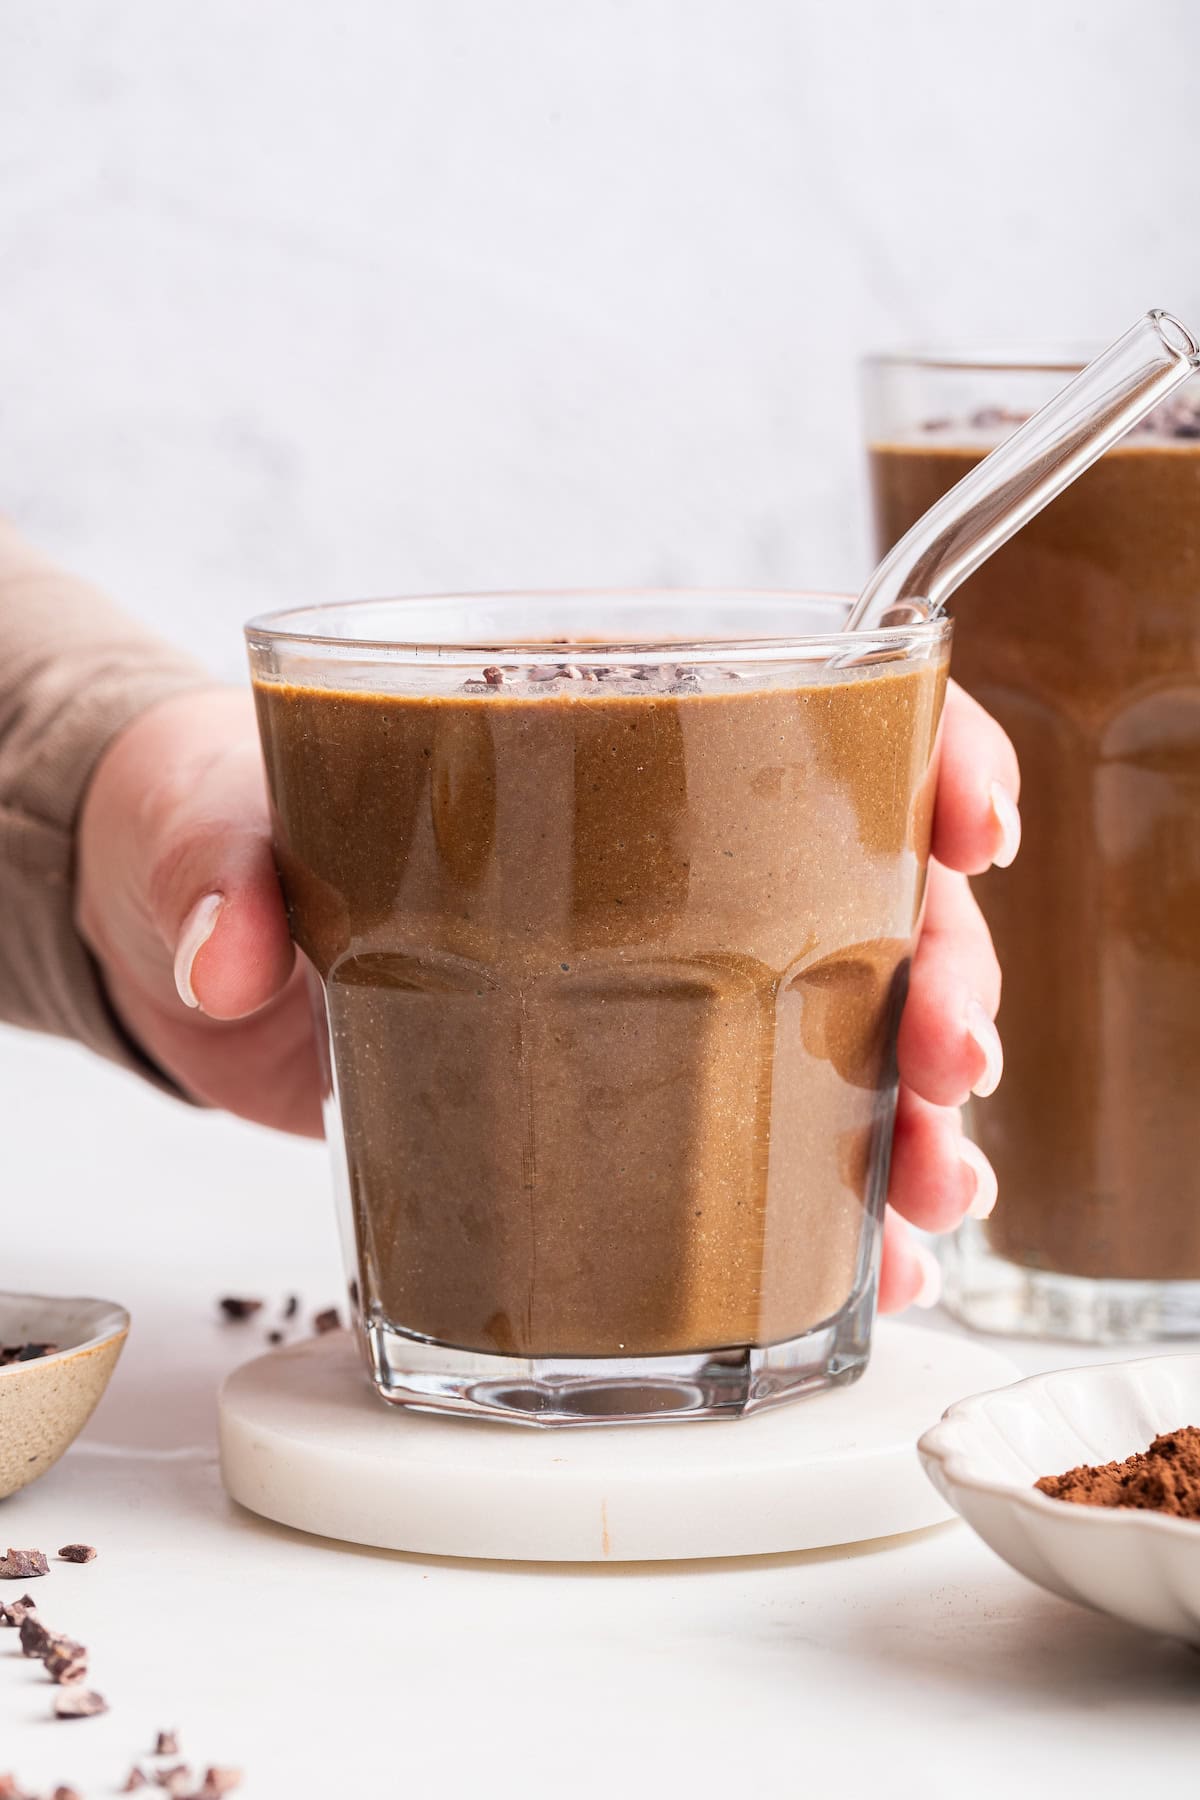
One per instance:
[(921, 1666)]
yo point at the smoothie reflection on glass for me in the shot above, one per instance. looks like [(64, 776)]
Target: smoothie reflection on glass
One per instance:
[(610, 901), (1082, 637)]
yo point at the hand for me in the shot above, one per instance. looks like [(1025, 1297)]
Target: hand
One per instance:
[(179, 902), (949, 1047)]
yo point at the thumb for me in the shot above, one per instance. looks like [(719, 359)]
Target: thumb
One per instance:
[(232, 951), (204, 917)]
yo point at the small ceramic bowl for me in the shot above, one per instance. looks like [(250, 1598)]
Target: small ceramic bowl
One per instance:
[(987, 1452), (45, 1403)]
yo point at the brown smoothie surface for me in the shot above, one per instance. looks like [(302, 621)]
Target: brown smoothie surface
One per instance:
[(1082, 636), (612, 978)]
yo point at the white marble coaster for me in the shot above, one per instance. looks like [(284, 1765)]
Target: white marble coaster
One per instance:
[(306, 1441)]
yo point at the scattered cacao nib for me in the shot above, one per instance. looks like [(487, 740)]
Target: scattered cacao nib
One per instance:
[(65, 1661), (936, 424), (493, 676), (78, 1553), (291, 1306), (35, 1639), (177, 1780), (989, 417), (237, 1306), (219, 1781), (329, 1320), (1178, 417), (79, 1703), (19, 1353), (23, 1565), (166, 1744), (66, 1793), (134, 1780), (274, 1337)]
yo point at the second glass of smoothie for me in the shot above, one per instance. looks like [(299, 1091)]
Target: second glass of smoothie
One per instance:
[(1082, 636), (610, 901)]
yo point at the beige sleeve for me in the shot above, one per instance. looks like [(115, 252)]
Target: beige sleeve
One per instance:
[(73, 671)]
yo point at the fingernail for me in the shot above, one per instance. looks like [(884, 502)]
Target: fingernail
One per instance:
[(986, 1039), (198, 927), (1008, 823), (930, 1290), (986, 1185)]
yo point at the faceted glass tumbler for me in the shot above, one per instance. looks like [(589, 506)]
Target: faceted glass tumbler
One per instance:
[(1082, 637), (609, 901)]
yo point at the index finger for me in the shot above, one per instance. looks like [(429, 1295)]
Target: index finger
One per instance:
[(975, 819)]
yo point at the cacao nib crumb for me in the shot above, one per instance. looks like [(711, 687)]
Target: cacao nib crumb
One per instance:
[(66, 1793), (35, 1639), (236, 1306), (493, 677), (166, 1744), (329, 1320), (79, 1703), (66, 1661), (274, 1337), (23, 1565), (291, 1306), (219, 1781), (936, 424), (20, 1353), (134, 1780), (988, 418), (177, 1780), (78, 1553)]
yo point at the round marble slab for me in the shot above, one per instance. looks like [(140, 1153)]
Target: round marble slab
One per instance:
[(307, 1442)]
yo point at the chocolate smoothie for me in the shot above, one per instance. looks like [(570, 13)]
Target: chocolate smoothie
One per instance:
[(1082, 636), (612, 971)]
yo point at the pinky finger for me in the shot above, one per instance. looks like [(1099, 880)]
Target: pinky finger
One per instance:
[(909, 1274)]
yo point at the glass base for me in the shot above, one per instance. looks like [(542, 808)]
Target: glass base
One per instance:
[(558, 1391), (990, 1293)]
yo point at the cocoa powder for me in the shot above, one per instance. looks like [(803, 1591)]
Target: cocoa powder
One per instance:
[(1165, 1478)]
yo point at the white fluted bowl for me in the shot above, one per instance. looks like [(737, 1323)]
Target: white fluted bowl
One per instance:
[(987, 1452)]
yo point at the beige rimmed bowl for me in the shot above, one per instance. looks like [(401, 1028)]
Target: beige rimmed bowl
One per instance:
[(45, 1403)]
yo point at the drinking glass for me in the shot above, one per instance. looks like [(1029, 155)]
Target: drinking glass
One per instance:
[(1082, 636), (609, 901)]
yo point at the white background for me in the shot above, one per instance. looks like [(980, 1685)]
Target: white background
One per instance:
[(313, 298), (301, 299)]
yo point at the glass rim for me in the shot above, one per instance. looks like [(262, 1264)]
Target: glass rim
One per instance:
[(1063, 359), (278, 628)]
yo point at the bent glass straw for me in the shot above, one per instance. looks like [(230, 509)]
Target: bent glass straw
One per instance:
[(1024, 473)]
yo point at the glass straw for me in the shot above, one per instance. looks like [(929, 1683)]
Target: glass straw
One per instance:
[(1024, 473)]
